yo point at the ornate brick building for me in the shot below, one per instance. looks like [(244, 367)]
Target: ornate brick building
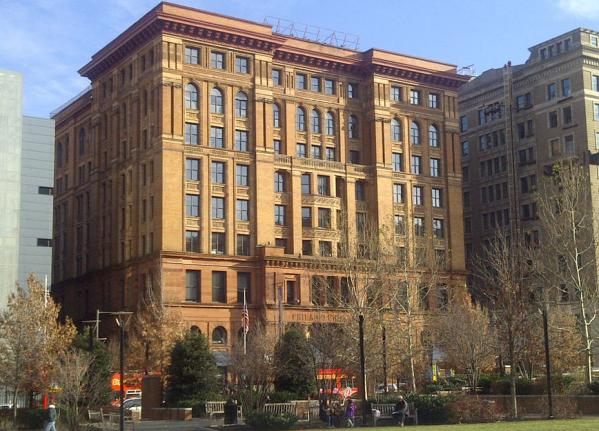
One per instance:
[(212, 156)]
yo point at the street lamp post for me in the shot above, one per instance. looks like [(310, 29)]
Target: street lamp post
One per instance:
[(362, 367)]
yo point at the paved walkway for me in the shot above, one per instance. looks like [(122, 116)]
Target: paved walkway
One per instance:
[(192, 425)]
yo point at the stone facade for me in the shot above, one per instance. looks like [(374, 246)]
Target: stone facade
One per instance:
[(170, 169)]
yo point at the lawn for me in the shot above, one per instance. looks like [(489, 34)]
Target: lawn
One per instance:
[(555, 425)]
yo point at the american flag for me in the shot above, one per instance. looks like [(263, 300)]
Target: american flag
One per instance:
[(245, 316)]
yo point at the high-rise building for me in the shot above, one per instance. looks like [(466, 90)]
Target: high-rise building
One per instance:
[(26, 172), (212, 157), (520, 119)]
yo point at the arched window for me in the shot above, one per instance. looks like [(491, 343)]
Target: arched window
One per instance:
[(415, 133), (433, 136), (219, 335), (195, 329), (276, 116), (330, 124), (59, 154), (352, 127), (300, 119), (81, 141), (241, 105), (191, 96), (216, 101), (395, 130), (315, 121)]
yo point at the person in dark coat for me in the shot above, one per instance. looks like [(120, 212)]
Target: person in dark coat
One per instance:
[(51, 418), (400, 411)]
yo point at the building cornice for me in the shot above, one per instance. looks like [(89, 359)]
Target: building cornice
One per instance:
[(182, 21)]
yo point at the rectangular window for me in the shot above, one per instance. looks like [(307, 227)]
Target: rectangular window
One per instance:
[(437, 197), (360, 191), (44, 190), (595, 82), (397, 162), (192, 286), (218, 172), (216, 137), (433, 101), (395, 93), (553, 119), (217, 60), (596, 111), (594, 41), (315, 84), (324, 185), (243, 210), (465, 149), (192, 55), (597, 140), (306, 184), (242, 65), (419, 226), (329, 87), (417, 165), (435, 167), (352, 91), (551, 91), (324, 218), (300, 81), (242, 175), (243, 287), (415, 97), (418, 195), (398, 193), (241, 140), (219, 286), (354, 157), (277, 147), (192, 205), (331, 154), (280, 182), (218, 208), (243, 245), (217, 245), (306, 217), (569, 144), (192, 241), (280, 215), (438, 228), (325, 248), (400, 224), (566, 115), (192, 169), (191, 133), (316, 152), (566, 87), (276, 77), (307, 247), (463, 123), (300, 150), (44, 242)]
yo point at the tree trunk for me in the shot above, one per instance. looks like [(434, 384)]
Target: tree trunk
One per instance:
[(15, 392), (411, 355)]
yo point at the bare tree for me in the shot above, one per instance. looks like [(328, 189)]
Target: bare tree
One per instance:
[(31, 339), (79, 386), (467, 340), (154, 330), (255, 368), (569, 245), (503, 285), (414, 276)]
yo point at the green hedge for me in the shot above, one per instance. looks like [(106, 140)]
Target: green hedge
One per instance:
[(269, 421)]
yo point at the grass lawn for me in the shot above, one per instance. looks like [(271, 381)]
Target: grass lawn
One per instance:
[(545, 425)]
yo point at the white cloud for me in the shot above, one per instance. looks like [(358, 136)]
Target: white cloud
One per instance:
[(580, 8)]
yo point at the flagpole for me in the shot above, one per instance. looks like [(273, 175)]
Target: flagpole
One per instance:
[(245, 328)]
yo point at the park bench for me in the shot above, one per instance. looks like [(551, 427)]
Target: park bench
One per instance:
[(387, 409), (214, 408), (110, 419), (280, 408)]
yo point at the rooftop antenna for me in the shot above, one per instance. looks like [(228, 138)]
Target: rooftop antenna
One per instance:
[(313, 33)]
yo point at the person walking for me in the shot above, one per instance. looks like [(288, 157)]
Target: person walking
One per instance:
[(51, 418), (350, 413)]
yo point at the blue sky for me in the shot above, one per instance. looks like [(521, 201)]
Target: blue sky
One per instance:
[(49, 40)]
